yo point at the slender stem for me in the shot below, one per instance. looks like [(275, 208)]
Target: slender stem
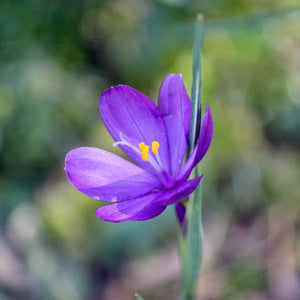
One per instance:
[(191, 243)]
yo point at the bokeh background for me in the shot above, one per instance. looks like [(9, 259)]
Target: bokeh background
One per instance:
[(57, 57)]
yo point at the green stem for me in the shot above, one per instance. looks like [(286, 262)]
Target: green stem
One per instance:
[(190, 244)]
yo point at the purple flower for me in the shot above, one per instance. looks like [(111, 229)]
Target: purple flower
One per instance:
[(155, 138)]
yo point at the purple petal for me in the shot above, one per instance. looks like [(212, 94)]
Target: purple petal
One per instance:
[(201, 147), (132, 210), (206, 135), (180, 192), (128, 112), (175, 106), (180, 212), (106, 176), (148, 206)]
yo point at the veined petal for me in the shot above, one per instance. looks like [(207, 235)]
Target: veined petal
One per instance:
[(180, 192), (202, 146), (106, 176), (175, 107), (138, 209), (128, 112), (148, 206)]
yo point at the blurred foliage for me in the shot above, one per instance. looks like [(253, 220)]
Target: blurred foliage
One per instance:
[(56, 59)]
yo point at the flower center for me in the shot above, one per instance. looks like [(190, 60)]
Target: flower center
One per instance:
[(154, 160), (145, 149)]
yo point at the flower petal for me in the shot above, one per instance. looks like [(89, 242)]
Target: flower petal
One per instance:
[(148, 206), (202, 146), (138, 209), (180, 212), (180, 192), (106, 176), (133, 117), (206, 135), (175, 106)]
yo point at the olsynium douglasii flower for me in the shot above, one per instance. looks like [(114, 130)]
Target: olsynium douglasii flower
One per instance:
[(156, 139)]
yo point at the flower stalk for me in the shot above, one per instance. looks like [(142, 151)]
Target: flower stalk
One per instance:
[(191, 241)]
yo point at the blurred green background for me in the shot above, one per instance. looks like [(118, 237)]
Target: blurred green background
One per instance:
[(57, 57)]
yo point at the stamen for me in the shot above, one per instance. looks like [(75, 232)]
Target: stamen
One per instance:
[(145, 149), (155, 146)]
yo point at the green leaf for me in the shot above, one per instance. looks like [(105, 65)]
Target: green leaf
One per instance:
[(194, 237), (197, 82)]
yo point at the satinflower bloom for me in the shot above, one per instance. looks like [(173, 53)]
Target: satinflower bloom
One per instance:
[(156, 139)]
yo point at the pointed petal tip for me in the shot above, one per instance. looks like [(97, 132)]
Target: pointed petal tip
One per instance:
[(112, 89), (74, 153), (208, 119), (207, 108), (99, 213), (173, 76), (108, 91)]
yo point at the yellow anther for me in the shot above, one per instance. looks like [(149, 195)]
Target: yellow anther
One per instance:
[(142, 146), (145, 149), (155, 146)]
